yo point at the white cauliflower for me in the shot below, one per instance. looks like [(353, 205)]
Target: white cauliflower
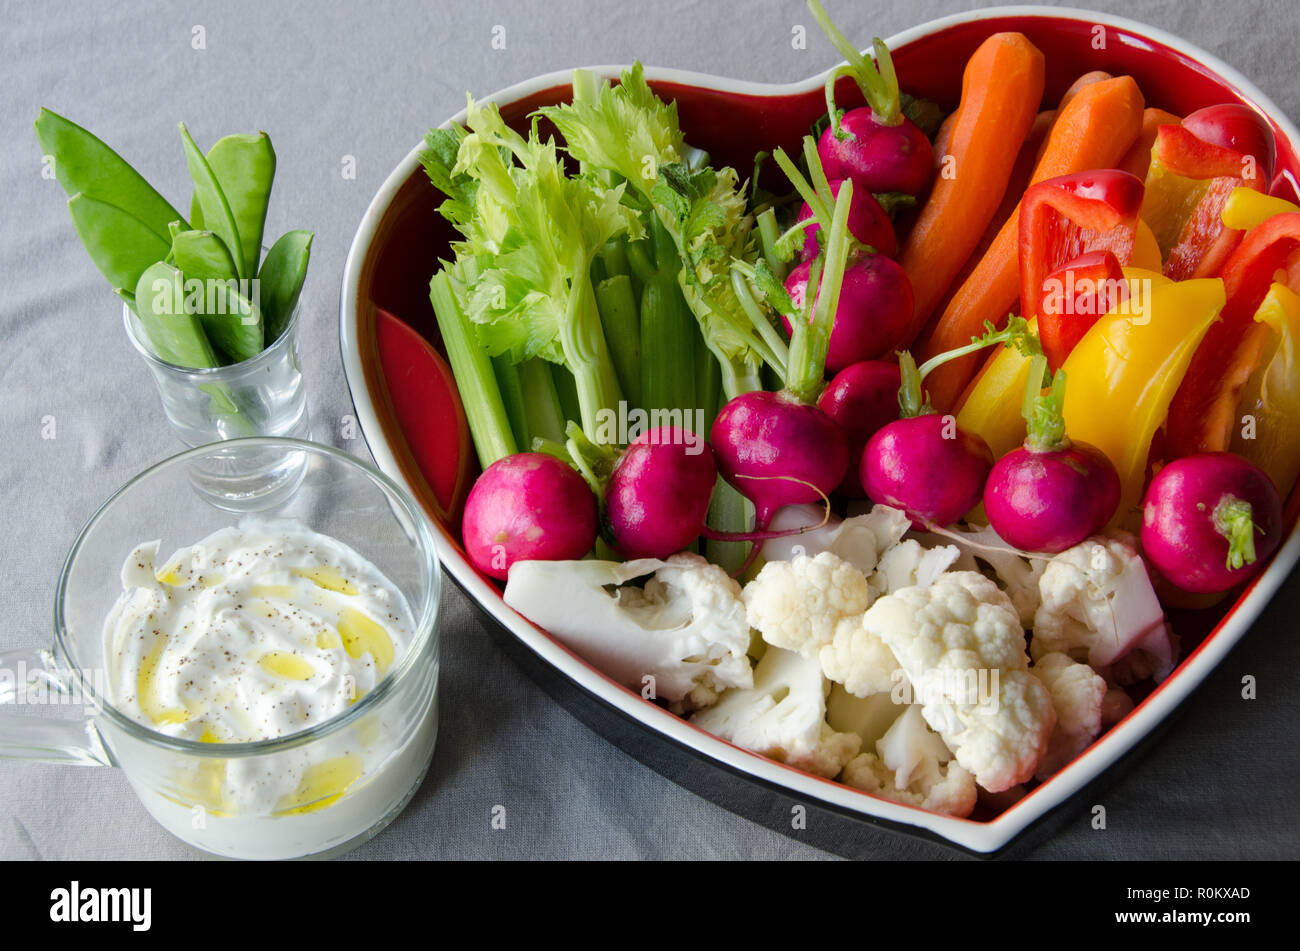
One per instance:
[(1002, 739), (961, 645), (797, 604), (912, 765), (1017, 571), (860, 540), (1098, 606), (686, 628), (860, 660), (1077, 697), (783, 716), (909, 564)]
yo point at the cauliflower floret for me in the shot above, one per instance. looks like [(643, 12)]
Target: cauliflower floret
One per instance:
[(860, 540), (1002, 739), (911, 765), (1098, 605), (859, 660), (909, 564), (961, 645), (1077, 695), (963, 621), (1018, 572), (783, 716), (797, 604), (686, 628)]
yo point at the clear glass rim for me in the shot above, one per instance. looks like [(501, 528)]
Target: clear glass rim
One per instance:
[(269, 352), (426, 622)]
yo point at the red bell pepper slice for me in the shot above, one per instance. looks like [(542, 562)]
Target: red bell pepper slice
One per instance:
[(1062, 218), (1203, 412), (1194, 168), (1073, 297)]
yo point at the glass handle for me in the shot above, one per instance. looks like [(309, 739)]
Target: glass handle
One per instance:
[(30, 677)]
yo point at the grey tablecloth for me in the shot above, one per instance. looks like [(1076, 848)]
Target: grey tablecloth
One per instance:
[(333, 81)]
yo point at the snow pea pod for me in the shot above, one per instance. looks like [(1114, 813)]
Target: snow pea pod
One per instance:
[(202, 255), (232, 322), (175, 333), (245, 168), (217, 216), (83, 163), (281, 278), (121, 245)]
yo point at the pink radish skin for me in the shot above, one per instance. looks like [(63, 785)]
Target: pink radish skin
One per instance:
[(927, 467), (527, 507), (658, 494), (1190, 505), (862, 398), (873, 314), (879, 158), (1051, 501), (777, 451), (868, 223)]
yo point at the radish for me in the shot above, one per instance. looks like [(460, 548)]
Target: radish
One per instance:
[(1209, 521), (927, 467), (658, 493), (779, 449), (875, 308), (924, 463), (1050, 494), (868, 223), (862, 398), (876, 146), (878, 156), (524, 507)]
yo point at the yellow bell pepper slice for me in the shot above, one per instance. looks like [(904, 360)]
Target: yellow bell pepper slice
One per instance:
[(992, 406), (1123, 375), (1269, 412), (1146, 250), (1247, 208)]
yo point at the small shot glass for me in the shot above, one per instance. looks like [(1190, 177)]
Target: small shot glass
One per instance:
[(261, 396)]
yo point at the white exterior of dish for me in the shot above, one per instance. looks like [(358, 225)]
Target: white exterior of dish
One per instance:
[(976, 836)]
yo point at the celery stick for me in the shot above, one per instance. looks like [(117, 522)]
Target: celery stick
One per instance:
[(542, 410), (622, 324), (708, 382), (484, 410), (668, 331), (567, 390), (512, 397)]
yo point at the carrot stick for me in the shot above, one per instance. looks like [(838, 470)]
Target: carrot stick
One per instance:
[(1095, 130), (1001, 89), (1138, 159)]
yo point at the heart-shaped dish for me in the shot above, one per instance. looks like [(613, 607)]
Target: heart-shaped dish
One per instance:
[(402, 393)]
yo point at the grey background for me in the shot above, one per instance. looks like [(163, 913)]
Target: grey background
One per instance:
[(365, 80)]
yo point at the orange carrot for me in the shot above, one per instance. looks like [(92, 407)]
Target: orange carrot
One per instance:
[(1138, 159), (1001, 89), (1076, 87), (1095, 130)]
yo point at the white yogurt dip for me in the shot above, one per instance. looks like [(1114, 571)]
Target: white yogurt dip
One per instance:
[(258, 632)]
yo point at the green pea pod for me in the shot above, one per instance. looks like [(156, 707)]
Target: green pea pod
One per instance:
[(83, 164), (281, 278), (217, 216), (201, 254), (232, 322), (175, 333), (245, 168), (196, 213), (120, 244)]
